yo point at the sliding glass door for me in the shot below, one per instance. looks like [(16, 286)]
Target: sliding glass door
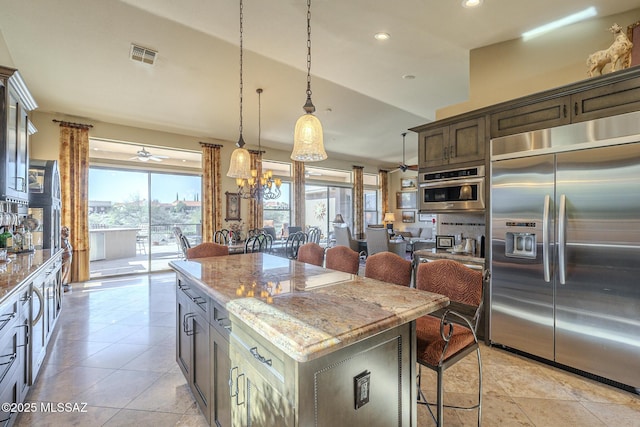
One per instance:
[(322, 203), (132, 215)]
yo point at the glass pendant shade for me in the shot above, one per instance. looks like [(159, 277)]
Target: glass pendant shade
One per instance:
[(240, 165), (308, 145)]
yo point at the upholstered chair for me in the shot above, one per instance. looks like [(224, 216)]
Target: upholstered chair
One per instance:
[(442, 341), (343, 238), (377, 240), (207, 249), (311, 253), (388, 267), (342, 258)]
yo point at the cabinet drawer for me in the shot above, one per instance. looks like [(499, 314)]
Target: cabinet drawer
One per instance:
[(541, 115), (9, 393), (8, 315), (9, 355), (199, 298), (260, 354), (616, 98)]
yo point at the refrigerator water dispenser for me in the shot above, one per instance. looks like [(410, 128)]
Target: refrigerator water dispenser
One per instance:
[(520, 245)]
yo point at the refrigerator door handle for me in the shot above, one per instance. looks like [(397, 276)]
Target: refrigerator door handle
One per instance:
[(562, 238), (545, 239)]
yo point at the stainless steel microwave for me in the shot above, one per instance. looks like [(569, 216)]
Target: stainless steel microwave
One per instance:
[(453, 190)]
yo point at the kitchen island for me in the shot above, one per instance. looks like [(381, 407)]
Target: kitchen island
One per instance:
[(268, 341)]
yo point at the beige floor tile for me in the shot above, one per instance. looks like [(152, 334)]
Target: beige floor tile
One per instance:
[(532, 381), (155, 359), (554, 413), (67, 384), (94, 416), (129, 417), (615, 415), (114, 356), (118, 389), (170, 393), (70, 352), (153, 335), (192, 421)]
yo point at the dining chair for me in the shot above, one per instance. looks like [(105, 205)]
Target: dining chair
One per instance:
[(313, 235), (343, 258), (221, 237), (377, 240), (258, 243), (442, 341), (293, 243), (182, 241), (207, 249), (388, 267), (311, 253), (343, 238)]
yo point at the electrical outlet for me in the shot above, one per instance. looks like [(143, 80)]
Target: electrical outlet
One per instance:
[(362, 388)]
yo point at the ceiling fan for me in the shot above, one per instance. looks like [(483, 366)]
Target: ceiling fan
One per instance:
[(144, 156), (403, 166)]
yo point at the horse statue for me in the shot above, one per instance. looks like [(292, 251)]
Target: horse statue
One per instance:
[(618, 54)]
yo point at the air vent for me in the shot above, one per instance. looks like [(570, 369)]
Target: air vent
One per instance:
[(143, 54)]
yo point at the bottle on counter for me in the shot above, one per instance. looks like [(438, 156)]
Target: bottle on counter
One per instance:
[(27, 240), (6, 238), (18, 238)]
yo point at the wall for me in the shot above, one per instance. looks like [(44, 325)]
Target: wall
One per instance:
[(516, 68)]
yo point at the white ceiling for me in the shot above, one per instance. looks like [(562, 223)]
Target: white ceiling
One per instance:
[(74, 56)]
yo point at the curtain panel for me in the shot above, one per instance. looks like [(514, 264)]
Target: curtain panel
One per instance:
[(255, 205), (298, 194), (211, 191), (358, 200), (383, 179), (74, 183)]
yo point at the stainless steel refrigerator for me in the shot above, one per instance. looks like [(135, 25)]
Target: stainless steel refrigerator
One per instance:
[(565, 245)]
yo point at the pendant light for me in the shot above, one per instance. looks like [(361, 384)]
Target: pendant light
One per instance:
[(307, 138), (240, 165)]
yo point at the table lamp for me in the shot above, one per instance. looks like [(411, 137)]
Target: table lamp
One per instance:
[(338, 219), (389, 218)]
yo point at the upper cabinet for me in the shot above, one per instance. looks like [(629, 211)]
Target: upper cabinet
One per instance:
[(15, 104), (455, 143), (591, 99)]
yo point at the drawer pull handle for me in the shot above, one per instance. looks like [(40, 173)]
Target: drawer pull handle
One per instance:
[(199, 300), (185, 324), (254, 352), (223, 322)]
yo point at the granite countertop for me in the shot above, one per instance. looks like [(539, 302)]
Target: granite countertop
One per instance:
[(444, 254), (20, 268), (305, 310)]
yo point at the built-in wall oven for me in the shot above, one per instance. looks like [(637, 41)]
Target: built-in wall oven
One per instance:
[(452, 190)]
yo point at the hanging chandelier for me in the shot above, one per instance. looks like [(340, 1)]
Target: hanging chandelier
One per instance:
[(240, 164), (267, 187), (308, 145)]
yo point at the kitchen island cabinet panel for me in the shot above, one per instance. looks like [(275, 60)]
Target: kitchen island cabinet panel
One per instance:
[(289, 355)]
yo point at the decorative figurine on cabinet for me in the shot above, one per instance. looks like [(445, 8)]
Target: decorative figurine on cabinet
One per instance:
[(67, 255), (618, 54)]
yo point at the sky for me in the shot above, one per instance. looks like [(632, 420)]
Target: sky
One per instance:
[(121, 186)]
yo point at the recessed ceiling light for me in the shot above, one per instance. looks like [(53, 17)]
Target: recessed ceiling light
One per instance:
[(382, 36), (471, 3), (408, 77)]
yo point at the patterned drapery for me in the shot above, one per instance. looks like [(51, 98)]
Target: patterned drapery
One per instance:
[(298, 194), (255, 205), (211, 191), (383, 178), (74, 183), (358, 200)]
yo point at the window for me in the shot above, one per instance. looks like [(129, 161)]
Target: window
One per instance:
[(322, 203), (277, 212), (371, 196)]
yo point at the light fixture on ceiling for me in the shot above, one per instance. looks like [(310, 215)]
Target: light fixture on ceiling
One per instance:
[(240, 164), (562, 22), (307, 138), (382, 36), (267, 187), (471, 3)]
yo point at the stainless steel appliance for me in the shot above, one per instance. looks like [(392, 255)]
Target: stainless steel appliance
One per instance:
[(452, 190), (565, 245)]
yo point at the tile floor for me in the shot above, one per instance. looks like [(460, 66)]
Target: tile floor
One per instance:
[(115, 350)]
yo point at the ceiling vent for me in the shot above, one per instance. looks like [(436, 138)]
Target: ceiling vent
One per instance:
[(143, 54)]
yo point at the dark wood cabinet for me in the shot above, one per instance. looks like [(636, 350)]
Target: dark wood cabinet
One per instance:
[(459, 142), (606, 96), (541, 115), (15, 104), (202, 351)]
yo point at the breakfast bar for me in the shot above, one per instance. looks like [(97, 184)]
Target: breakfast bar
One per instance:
[(269, 341)]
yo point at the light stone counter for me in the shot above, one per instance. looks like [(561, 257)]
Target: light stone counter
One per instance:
[(305, 310), (21, 268)]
